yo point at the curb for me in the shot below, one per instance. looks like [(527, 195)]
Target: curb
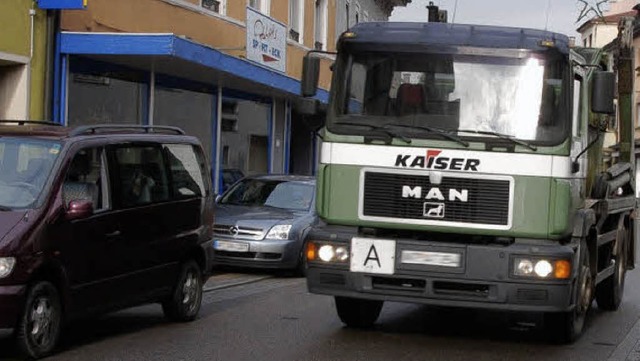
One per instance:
[(229, 285), (629, 348)]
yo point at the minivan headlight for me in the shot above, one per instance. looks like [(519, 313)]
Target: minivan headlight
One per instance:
[(280, 231), (6, 266)]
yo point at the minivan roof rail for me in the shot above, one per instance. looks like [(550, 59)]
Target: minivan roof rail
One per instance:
[(93, 129), (28, 122)]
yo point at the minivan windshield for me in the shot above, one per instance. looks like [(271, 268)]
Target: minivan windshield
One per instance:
[(420, 94), (291, 195), (25, 165)]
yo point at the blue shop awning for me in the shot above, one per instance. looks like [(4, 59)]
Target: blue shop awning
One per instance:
[(182, 56)]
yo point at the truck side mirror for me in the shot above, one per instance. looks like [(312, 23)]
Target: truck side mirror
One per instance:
[(310, 75), (603, 85)]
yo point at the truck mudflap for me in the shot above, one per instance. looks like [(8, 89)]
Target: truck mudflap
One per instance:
[(482, 276)]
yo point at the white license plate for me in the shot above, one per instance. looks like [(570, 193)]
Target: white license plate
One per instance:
[(373, 256), (441, 259), (230, 246)]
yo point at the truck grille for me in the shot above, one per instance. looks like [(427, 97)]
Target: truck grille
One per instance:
[(456, 199)]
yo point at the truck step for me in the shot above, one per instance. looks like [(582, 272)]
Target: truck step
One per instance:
[(602, 275)]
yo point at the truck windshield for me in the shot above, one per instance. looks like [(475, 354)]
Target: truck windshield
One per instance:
[(467, 95), (25, 165)]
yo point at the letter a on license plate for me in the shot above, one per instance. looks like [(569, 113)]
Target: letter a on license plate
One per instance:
[(373, 256)]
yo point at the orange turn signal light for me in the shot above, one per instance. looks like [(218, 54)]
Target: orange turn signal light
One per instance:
[(311, 251), (562, 269)]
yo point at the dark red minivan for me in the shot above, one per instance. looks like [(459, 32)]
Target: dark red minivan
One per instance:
[(99, 218)]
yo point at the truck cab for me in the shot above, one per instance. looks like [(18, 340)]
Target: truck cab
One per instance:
[(461, 166)]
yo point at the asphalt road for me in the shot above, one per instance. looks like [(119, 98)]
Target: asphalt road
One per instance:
[(270, 317)]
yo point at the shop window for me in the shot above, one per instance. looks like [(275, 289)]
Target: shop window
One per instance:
[(217, 6), (296, 20), (320, 41), (187, 105), (245, 149)]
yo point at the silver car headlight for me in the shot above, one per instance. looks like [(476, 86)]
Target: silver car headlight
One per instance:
[(280, 231), (6, 266)]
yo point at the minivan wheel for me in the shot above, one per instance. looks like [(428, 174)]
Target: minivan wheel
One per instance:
[(40, 326), (184, 303)]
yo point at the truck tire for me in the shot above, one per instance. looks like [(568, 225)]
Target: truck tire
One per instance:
[(184, 303), (40, 326), (358, 313), (566, 327), (609, 292)]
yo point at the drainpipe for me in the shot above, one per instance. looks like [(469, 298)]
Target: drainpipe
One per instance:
[(49, 67), (32, 15)]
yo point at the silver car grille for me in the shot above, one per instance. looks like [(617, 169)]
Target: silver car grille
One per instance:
[(229, 230)]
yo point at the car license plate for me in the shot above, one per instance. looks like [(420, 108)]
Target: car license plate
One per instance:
[(441, 259), (230, 246), (373, 256)]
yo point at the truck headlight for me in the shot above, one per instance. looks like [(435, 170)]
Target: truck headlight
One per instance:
[(280, 231), (6, 266), (327, 252), (542, 268)]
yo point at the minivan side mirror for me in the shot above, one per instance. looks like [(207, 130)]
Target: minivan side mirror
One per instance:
[(603, 85), (79, 209), (310, 75)]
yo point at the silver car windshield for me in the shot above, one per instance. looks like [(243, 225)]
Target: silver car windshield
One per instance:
[(522, 98), (25, 165), (290, 195)]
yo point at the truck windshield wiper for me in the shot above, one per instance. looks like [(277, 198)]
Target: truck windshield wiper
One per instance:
[(389, 133), (438, 131), (501, 136)]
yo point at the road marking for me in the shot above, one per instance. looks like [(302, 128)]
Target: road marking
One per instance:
[(241, 282)]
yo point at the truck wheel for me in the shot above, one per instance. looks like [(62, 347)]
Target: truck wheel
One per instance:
[(566, 327), (184, 303), (609, 292), (358, 313), (40, 326)]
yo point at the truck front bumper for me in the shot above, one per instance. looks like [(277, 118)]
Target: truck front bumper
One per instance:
[(484, 279)]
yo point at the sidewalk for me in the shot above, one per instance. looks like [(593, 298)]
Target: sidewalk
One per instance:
[(629, 348)]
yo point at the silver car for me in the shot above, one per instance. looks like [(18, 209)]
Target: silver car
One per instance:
[(261, 221)]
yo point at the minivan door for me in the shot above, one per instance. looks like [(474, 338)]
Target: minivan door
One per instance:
[(142, 199), (88, 247)]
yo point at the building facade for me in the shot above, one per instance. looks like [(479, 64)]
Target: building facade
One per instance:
[(23, 61), (226, 71)]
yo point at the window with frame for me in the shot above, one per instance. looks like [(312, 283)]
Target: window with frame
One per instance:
[(320, 41), (296, 20), (87, 179), (217, 6), (141, 175), (261, 5), (187, 170)]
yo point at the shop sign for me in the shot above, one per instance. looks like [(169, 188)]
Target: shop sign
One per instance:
[(62, 4), (266, 41)]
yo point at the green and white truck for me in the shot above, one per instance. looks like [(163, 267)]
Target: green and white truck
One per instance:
[(462, 165)]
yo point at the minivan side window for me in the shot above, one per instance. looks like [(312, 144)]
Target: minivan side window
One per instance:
[(141, 175), (86, 179), (186, 167)]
